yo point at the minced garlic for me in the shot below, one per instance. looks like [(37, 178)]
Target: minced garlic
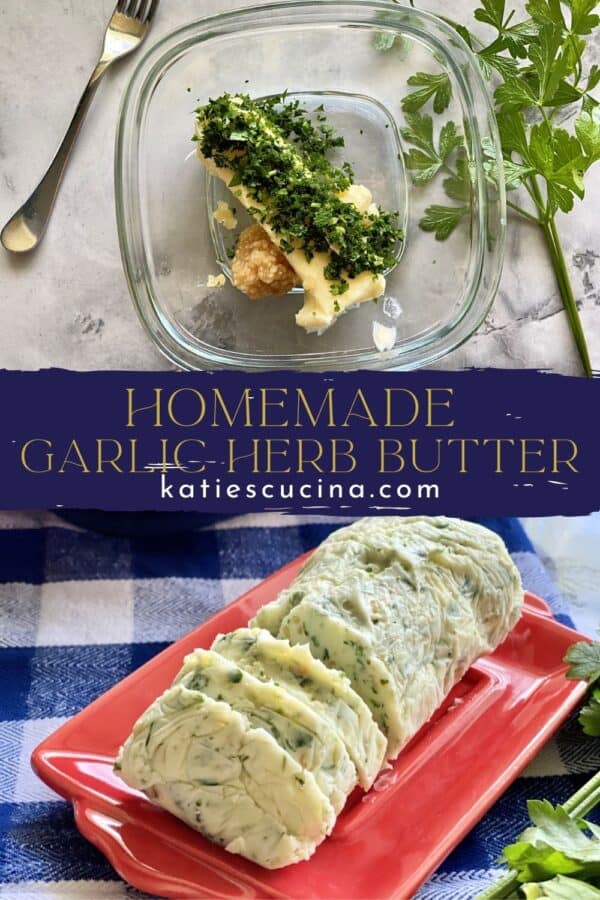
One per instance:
[(225, 215)]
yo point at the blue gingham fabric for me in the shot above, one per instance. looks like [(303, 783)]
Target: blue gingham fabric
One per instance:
[(79, 610)]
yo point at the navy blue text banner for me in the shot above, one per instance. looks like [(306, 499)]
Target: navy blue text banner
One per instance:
[(461, 443)]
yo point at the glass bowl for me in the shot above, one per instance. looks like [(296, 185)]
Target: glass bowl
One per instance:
[(356, 58)]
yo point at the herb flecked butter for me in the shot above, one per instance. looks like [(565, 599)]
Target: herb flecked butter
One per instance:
[(273, 158)]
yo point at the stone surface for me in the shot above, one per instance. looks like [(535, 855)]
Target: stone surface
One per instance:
[(68, 305)]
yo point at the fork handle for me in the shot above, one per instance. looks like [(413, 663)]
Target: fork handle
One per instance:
[(25, 229)]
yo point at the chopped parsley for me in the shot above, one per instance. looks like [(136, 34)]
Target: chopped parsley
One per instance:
[(197, 682), (301, 739), (235, 676), (280, 156)]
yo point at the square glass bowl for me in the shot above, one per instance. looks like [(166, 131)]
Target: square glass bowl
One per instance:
[(355, 58)]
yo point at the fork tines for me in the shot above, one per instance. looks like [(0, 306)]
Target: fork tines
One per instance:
[(142, 10)]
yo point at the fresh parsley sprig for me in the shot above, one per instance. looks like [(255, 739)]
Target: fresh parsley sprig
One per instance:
[(548, 115), (584, 661), (584, 665), (558, 856)]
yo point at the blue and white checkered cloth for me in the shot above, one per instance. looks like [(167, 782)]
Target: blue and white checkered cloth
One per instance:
[(79, 610)]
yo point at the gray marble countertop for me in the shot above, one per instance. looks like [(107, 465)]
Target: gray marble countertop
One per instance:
[(68, 305)]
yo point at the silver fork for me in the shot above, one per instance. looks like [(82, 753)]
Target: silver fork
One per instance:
[(126, 30)]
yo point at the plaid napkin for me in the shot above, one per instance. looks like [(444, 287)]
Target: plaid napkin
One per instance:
[(79, 610)]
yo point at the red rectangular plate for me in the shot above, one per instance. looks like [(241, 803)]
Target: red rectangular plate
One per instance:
[(386, 842)]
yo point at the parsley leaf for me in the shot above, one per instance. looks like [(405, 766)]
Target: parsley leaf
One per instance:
[(589, 717), (584, 661), (492, 57), (546, 12), (564, 94), (450, 140), (515, 95), (442, 220), (458, 185), (593, 78), (419, 131), (549, 66), (436, 86), (426, 158), (555, 844), (518, 37), (584, 665), (583, 18), (515, 174), (512, 134), (561, 888), (491, 12), (384, 40), (463, 32), (587, 129)]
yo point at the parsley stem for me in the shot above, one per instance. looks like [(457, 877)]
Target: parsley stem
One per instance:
[(560, 268), (537, 199), (559, 265), (585, 799), (579, 804), (523, 212)]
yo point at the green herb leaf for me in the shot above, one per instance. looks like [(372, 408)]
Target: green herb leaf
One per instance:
[(436, 86), (513, 134), (544, 57), (515, 174), (583, 18), (491, 12), (450, 140), (569, 161), (515, 95), (560, 888), (458, 186), (463, 32), (564, 95), (593, 78), (423, 166), (587, 129), (584, 661), (559, 197), (442, 220), (384, 40), (540, 151), (546, 12), (492, 57), (420, 132), (426, 159), (518, 37), (556, 844), (589, 717)]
